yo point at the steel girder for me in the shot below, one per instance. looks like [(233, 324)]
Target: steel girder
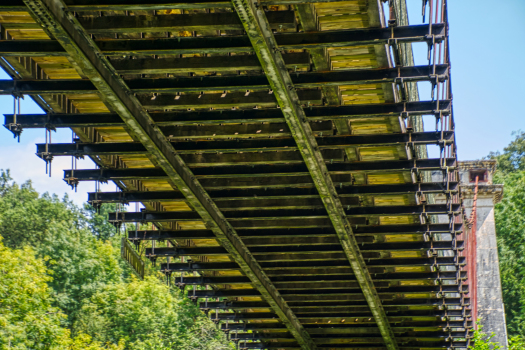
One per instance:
[(65, 28), (267, 50), (60, 120), (192, 45), (231, 83)]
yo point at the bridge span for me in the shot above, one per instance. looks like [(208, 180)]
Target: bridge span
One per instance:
[(289, 184)]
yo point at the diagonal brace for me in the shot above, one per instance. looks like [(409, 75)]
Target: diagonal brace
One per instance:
[(53, 16), (257, 27)]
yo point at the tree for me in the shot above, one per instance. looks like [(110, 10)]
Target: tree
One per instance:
[(510, 228), (482, 341), (513, 157), (147, 315), (25, 218), (28, 319), (88, 289), (80, 265), (63, 234)]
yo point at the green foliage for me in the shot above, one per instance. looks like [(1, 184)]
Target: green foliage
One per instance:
[(513, 157), (80, 265), (510, 228), (63, 234), (27, 318), (98, 221), (148, 315), (61, 274), (517, 343), (25, 218), (482, 341)]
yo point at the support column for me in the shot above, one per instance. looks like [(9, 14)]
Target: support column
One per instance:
[(491, 312)]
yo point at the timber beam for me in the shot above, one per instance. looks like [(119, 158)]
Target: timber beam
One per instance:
[(52, 16), (314, 113), (226, 44), (231, 83)]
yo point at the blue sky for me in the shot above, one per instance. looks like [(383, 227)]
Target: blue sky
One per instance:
[(487, 44)]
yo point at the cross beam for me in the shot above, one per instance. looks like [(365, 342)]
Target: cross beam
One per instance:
[(295, 172), (258, 194), (225, 44), (140, 5), (232, 293), (250, 145), (309, 264), (232, 83), (63, 120), (318, 249), (313, 232), (431, 209), (260, 169), (267, 49), (65, 28)]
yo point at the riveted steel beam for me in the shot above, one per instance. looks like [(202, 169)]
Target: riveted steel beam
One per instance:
[(63, 25), (258, 29), (384, 277), (308, 265), (255, 194), (329, 248), (432, 209), (141, 5), (283, 144), (62, 120), (175, 23), (288, 233), (239, 305), (259, 170), (231, 83), (232, 293), (320, 329), (225, 44)]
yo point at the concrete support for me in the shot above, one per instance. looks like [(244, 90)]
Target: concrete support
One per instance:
[(489, 295)]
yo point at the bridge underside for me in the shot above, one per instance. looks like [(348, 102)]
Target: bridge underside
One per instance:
[(278, 149)]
